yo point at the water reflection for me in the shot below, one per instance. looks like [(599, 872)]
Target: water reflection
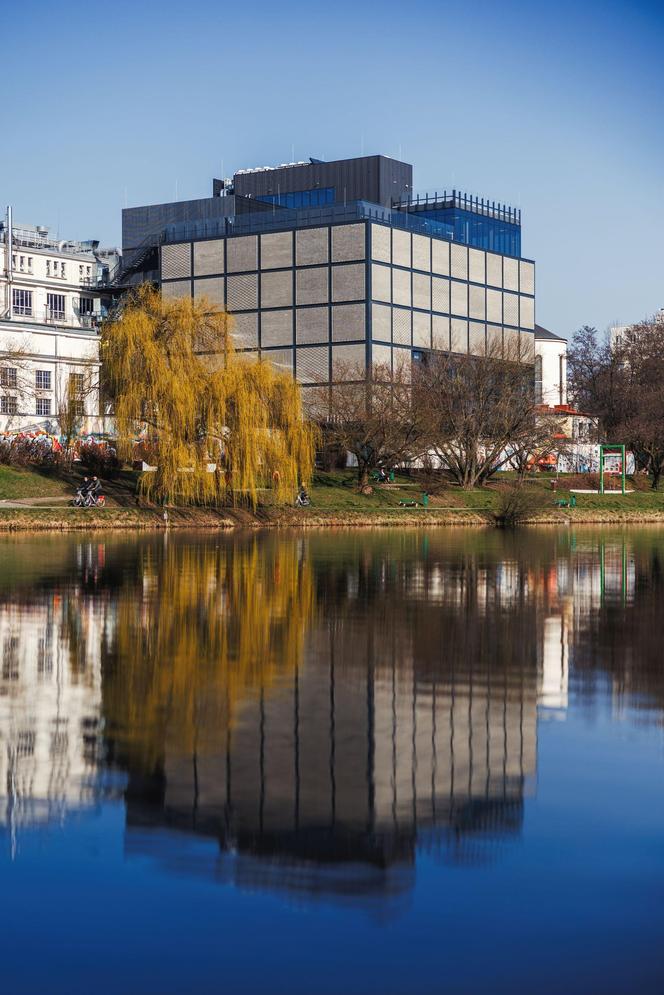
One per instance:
[(319, 706)]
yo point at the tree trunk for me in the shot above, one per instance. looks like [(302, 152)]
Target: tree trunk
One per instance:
[(363, 479)]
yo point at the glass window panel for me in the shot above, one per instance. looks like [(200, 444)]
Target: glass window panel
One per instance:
[(311, 246), (381, 322), (348, 242), (312, 364), (527, 278), (421, 329), (401, 248), (459, 302), (277, 250), (401, 326), (312, 285), (459, 261), (476, 298), (241, 253), (381, 237), (440, 294), (422, 291), (348, 282), (476, 338), (348, 322), (209, 257), (440, 256), (276, 328), (401, 286), (381, 283), (348, 359), (459, 335), (277, 289), (440, 332), (212, 289), (511, 273), (422, 253), (381, 358), (476, 269), (312, 324)]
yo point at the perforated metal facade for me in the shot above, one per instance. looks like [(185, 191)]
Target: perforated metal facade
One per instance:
[(319, 299)]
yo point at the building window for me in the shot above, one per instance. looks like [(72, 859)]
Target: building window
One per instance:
[(76, 388), (55, 306), (8, 377), (8, 405), (43, 379), (561, 379), (55, 267), (62, 270), (86, 305), (21, 263), (22, 301), (29, 264), (48, 267), (44, 406), (538, 380), (301, 198)]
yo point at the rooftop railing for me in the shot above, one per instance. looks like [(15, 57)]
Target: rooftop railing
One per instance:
[(311, 217), (461, 201)]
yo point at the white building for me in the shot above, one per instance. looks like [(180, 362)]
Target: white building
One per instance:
[(550, 367), (617, 332), (49, 328)]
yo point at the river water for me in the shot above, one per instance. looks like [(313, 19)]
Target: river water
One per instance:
[(361, 762)]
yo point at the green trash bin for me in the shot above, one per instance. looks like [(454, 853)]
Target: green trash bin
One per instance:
[(391, 476), (425, 499)]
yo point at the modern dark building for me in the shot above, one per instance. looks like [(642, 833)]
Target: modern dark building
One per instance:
[(330, 265)]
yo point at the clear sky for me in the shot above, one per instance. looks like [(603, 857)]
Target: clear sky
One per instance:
[(554, 107)]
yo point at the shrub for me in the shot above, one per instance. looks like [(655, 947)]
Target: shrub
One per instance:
[(25, 450), (99, 458), (516, 504)]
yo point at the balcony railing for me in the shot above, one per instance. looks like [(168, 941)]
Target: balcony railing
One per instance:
[(54, 315), (25, 310)]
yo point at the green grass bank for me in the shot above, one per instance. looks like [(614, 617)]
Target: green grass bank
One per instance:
[(37, 500)]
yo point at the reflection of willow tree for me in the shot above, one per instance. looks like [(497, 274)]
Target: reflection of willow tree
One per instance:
[(211, 626)]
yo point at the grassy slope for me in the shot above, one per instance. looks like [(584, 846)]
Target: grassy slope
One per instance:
[(334, 496), (17, 482)]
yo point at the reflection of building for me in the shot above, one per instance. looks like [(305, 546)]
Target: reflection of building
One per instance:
[(50, 708), (359, 759)]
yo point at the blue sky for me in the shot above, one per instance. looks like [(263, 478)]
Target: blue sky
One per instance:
[(556, 108)]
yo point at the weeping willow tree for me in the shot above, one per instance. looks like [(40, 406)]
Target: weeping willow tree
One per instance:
[(219, 425)]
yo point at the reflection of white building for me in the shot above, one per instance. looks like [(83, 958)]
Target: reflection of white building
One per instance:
[(554, 675), (50, 708)]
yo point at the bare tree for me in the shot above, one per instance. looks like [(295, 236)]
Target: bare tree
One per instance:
[(481, 409), (14, 380), (623, 386), (377, 419)]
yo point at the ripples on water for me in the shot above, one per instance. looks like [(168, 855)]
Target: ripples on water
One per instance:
[(344, 722)]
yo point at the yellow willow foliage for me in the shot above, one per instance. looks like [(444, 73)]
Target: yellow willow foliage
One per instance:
[(212, 627), (176, 381)]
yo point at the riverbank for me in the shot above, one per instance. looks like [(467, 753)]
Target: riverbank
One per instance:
[(145, 519), (33, 501)]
